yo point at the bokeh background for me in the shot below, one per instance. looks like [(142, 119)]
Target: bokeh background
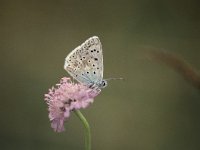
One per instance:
[(154, 108)]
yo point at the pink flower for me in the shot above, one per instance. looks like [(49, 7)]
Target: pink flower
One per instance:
[(64, 98)]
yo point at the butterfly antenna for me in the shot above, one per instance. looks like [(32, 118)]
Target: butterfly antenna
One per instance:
[(114, 79)]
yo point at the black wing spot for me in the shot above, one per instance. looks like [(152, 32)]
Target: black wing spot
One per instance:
[(93, 65), (94, 50), (87, 72), (96, 59), (91, 50), (97, 51), (83, 57), (94, 72), (97, 67)]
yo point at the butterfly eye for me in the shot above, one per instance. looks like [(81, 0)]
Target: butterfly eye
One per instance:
[(104, 84)]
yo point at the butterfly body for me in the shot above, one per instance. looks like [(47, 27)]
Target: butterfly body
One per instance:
[(85, 63)]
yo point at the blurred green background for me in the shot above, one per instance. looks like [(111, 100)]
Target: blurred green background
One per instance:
[(154, 108)]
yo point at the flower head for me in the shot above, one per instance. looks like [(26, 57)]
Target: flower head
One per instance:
[(64, 98)]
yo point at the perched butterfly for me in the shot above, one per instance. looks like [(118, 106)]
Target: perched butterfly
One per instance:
[(85, 63)]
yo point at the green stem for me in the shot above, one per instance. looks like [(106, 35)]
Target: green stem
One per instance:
[(87, 129)]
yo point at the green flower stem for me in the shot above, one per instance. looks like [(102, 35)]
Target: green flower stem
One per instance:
[(87, 129)]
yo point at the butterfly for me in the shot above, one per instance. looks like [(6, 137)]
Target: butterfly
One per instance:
[(85, 63)]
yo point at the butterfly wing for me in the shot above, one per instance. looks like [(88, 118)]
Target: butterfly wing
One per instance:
[(85, 63)]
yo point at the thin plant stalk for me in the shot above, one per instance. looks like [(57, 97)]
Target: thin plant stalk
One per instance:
[(86, 128)]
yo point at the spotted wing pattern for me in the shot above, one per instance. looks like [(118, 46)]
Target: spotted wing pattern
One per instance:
[(85, 63)]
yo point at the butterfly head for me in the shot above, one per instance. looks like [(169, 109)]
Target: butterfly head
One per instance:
[(103, 84)]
